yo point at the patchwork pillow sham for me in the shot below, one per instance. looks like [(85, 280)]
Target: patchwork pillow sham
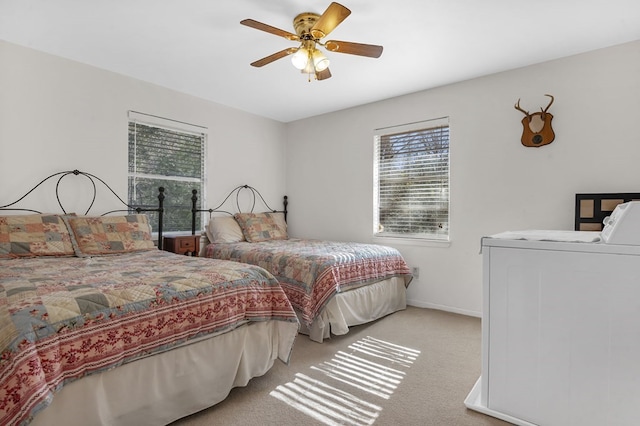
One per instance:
[(94, 236), (224, 229), (266, 226), (34, 235)]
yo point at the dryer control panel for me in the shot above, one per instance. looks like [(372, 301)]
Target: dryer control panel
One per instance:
[(623, 226)]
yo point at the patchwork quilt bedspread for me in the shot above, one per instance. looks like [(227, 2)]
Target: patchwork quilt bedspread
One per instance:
[(311, 272), (65, 317)]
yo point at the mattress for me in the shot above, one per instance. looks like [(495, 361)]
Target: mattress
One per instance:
[(65, 319), (317, 275)]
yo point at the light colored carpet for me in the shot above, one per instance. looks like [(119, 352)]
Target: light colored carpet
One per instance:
[(414, 367)]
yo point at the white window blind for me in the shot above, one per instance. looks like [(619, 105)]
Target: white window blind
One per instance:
[(169, 154), (411, 181)]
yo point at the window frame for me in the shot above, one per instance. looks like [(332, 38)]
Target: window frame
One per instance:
[(173, 201), (421, 238)]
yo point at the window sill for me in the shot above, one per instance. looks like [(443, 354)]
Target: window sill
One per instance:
[(421, 242), (178, 233)]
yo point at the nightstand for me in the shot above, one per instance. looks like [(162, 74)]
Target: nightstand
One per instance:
[(182, 244)]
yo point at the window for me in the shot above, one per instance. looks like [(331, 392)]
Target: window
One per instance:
[(411, 181), (170, 154)]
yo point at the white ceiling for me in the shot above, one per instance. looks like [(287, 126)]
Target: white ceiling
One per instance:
[(198, 47)]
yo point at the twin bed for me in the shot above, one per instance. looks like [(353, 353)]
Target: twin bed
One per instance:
[(331, 285), (99, 326)]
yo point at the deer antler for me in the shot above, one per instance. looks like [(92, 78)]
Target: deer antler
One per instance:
[(545, 110), (517, 106)]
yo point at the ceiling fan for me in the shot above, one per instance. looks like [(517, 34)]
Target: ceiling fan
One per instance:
[(310, 29)]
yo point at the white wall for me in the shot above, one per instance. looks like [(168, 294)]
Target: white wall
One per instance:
[(57, 114), (496, 183)]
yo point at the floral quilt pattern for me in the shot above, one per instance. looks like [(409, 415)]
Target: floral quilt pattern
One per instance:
[(311, 272), (64, 318)]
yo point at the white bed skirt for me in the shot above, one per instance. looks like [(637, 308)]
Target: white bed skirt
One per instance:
[(358, 306), (165, 387)]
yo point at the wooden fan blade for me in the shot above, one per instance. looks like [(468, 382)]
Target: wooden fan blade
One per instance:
[(329, 20), (268, 28), (323, 75), (370, 50), (274, 57)]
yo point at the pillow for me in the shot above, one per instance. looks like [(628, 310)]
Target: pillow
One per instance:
[(34, 235), (110, 234), (279, 220), (258, 227), (224, 229)]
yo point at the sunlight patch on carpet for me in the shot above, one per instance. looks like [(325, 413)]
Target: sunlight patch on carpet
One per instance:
[(373, 368)]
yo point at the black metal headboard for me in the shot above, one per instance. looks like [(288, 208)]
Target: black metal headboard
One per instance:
[(93, 179), (235, 192), (592, 209)]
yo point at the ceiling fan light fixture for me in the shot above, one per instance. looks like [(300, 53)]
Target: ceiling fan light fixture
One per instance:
[(309, 69), (320, 62), (300, 59), (310, 28)]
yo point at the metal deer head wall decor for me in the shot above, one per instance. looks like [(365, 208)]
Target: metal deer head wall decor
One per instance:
[(537, 126)]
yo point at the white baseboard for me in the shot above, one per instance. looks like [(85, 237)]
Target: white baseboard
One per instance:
[(420, 304), (474, 402)]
